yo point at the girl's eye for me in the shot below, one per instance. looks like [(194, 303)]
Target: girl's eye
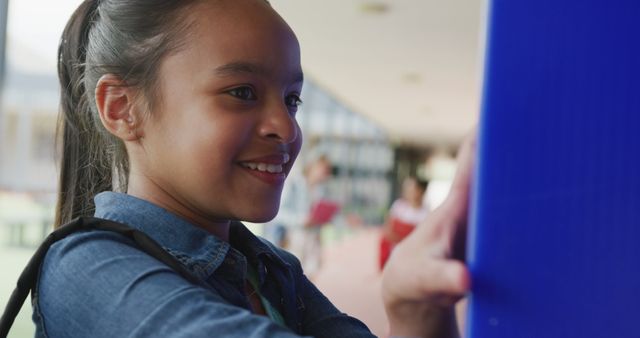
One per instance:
[(293, 101), (243, 93)]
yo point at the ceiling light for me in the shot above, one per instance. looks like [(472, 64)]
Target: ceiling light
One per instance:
[(374, 7), (412, 77)]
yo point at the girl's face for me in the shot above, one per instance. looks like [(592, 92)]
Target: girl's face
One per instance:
[(223, 134), (412, 192)]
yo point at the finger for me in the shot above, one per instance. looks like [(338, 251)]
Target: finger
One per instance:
[(458, 197), (440, 283), (455, 209), (444, 278), (447, 219), (420, 276)]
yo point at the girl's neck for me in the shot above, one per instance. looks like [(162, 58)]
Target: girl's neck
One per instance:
[(216, 227)]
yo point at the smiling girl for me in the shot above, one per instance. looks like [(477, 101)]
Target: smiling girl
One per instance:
[(178, 119)]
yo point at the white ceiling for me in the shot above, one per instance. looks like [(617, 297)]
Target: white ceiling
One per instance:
[(414, 69)]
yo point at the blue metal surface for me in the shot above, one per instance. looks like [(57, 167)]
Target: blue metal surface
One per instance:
[(554, 240)]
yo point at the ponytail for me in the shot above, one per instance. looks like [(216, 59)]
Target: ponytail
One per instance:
[(84, 170)]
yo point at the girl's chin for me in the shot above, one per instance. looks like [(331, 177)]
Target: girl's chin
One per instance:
[(261, 216)]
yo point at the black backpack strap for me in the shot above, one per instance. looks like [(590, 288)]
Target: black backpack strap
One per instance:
[(28, 279)]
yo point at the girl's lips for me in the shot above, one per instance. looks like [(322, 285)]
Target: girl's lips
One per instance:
[(271, 169), (276, 178), (280, 158)]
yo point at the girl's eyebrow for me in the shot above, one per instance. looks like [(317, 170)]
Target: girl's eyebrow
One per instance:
[(234, 68), (243, 67)]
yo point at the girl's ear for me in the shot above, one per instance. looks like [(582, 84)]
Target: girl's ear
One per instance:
[(116, 103)]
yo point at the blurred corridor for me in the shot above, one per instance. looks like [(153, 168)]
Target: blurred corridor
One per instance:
[(351, 280)]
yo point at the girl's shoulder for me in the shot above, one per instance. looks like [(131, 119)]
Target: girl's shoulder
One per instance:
[(85, 247), (75, 261), (92, 275), (83, 271)]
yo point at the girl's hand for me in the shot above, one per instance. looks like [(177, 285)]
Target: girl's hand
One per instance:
[(425, 275)]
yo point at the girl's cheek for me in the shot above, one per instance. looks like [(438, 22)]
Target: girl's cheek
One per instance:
[(298, 142), (231, 105)]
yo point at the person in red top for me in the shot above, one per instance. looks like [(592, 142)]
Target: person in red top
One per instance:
[(404, 215)]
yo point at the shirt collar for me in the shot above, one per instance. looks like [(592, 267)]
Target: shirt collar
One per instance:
[(245, 241), (189, 243)]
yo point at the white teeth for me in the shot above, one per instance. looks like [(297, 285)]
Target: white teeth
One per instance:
[(274, 168), (271, 168)]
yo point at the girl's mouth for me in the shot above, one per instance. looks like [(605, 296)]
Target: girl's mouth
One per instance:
[(270, 169), (263, 167)]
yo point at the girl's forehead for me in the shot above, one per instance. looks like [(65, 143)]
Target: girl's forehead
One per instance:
[(242, 29), (230, 16), (236, 37)]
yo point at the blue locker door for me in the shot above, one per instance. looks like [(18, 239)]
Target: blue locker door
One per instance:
[(554, 240)]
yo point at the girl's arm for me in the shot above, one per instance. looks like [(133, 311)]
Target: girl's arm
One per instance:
[(426, 275)]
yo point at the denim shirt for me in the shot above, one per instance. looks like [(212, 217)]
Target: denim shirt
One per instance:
[(99, 284)]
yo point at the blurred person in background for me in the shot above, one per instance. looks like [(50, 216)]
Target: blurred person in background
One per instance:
[(320, 212), (304, 210), (404, 215)]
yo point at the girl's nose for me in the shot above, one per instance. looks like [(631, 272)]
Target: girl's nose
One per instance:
[(279, 124)]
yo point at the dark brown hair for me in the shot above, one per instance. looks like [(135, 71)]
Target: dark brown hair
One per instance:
[(127, 38)]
